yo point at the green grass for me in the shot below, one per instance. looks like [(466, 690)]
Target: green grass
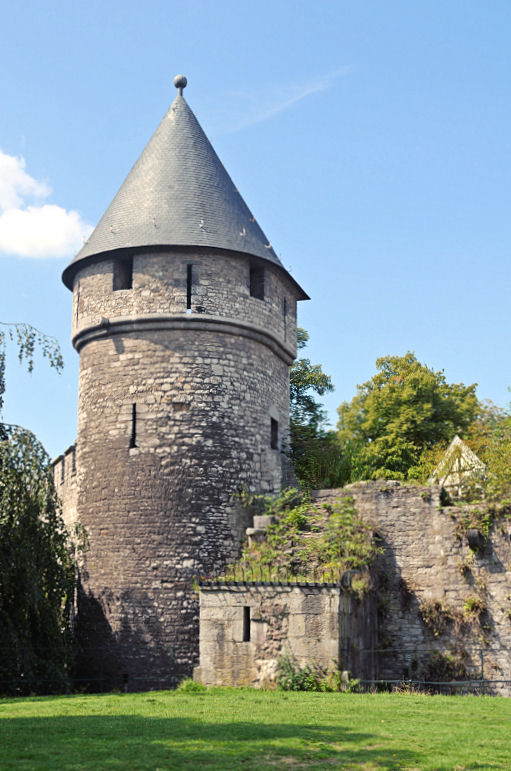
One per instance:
[(244, 729)]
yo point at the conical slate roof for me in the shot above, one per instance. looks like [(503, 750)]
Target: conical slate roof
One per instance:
[(177, 194)]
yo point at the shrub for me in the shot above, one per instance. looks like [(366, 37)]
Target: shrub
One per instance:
[(450, 665), (436, 615), (473, 607), (291, 676), (191, 686), (480, 519)]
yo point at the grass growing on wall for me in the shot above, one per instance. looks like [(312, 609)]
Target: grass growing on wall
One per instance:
[(308, 541), (228, 729)]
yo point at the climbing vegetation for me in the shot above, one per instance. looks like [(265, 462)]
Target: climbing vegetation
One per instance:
[(436, 615), (308, 542)]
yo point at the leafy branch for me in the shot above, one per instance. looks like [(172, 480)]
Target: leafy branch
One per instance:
[(27, 339)]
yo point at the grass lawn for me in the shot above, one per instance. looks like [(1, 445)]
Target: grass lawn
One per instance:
[(245, 729)]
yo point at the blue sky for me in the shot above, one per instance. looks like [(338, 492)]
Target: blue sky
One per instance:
[(371, 140)]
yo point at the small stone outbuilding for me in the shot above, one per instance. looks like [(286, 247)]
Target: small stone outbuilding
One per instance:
[(246, 627)]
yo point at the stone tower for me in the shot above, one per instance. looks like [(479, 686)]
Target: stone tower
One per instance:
[(185, 322)]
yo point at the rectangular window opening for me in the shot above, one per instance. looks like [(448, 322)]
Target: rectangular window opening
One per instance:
[(246, 623), (257, 282), (123, 274), (284, 313), (188, 288), (274, 434), (133, 438)]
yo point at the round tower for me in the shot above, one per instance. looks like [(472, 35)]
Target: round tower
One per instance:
[(185, 322)]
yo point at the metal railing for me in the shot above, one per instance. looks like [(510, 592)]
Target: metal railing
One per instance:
[(420, 669)]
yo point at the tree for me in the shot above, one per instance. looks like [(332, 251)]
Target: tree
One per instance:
[(36, 571), (403, 411), (27, 339), (305, 380), (315, 452)]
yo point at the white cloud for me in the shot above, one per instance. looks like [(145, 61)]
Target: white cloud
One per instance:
[(29, 227), (263, 105)]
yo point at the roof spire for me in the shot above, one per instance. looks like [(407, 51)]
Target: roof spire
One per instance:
[(177, 194), (180, 82)]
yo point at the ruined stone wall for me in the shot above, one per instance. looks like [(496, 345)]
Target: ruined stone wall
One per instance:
[(427, 561), (174, 417), (306, 622)]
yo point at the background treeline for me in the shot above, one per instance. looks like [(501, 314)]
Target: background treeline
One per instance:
[(397, 426)]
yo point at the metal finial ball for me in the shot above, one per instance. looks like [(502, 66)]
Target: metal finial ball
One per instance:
[(180, 81)]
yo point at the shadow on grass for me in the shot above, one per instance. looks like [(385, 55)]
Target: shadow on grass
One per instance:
[(135, 742)]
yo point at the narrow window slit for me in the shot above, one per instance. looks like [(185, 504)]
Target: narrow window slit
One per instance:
[(188, 288), (257, 282), (274, 434), (77, 300), (246, 623), (133, 438), (123, 274), (284, 313)]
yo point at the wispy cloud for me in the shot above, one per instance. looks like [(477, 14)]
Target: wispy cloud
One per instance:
[(29, 227), (256, 107)]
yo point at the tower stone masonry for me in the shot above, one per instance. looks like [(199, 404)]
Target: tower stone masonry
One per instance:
[(185, 323)]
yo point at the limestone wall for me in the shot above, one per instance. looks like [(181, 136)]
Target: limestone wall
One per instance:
[(427, 559), (314, 624), (175, 415), (220, 289), (64, 475)]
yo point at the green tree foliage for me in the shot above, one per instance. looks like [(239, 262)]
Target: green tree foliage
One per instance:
[(307, 379), (315, 452), (36, 571), (489, 436), (27, 340), (401, 413)]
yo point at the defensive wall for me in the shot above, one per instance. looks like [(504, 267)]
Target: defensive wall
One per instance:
[(64, 476), (436, 601)]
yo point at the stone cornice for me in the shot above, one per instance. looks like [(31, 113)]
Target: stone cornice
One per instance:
[(123, 325)]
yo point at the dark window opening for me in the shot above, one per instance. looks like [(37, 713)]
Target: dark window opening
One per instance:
[(274, 434), (133, 438), (246, 624), (77, 300), (257, 283), (284, 313), (123, 274), (188, 288)]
